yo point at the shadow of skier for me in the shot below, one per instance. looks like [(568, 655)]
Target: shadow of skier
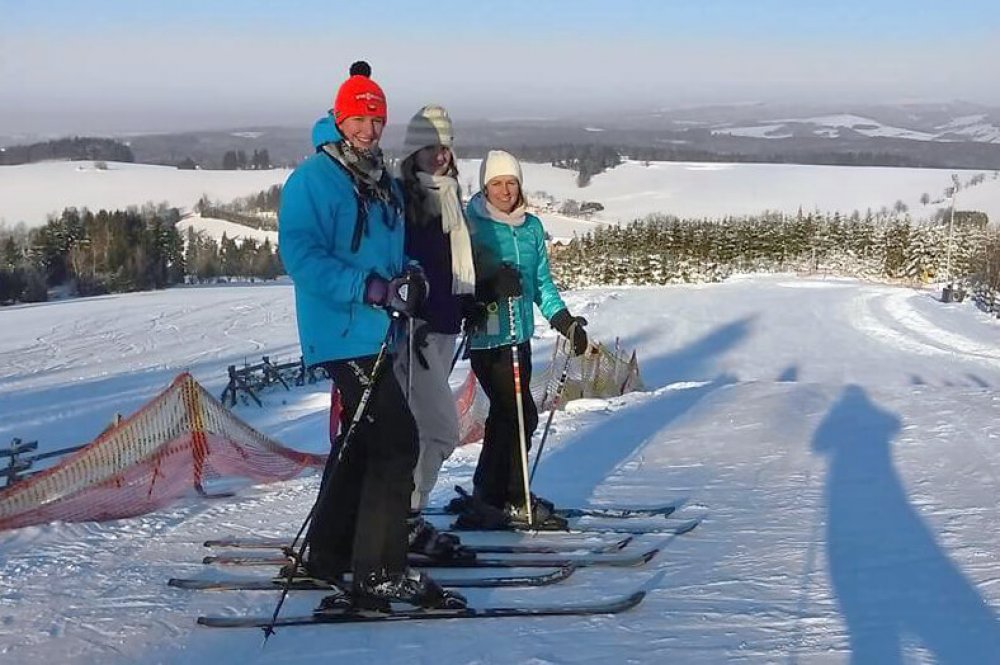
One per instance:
[(571, 474), (893, 582)]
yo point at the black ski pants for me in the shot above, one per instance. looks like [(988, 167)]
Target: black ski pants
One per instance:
[(498, 478), (360, 519)]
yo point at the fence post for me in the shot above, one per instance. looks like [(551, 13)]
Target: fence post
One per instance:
[(15, 465)]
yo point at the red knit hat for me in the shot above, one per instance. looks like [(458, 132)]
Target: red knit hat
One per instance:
[(359, 95)]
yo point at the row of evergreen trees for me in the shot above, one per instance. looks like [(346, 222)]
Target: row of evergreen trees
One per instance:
[(207, 259), (119, 251), (663, 250), (233, 160), (237, 160), (257, 211), (102, 252)]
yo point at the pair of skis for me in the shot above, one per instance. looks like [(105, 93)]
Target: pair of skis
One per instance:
[(600, 512), (516, 548), (418, 561), (312, 584), (612, 606)]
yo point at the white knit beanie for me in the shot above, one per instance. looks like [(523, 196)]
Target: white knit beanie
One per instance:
[(431, 125), (497, 163)]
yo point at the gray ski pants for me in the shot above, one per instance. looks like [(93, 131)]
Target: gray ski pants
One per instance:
[(432, 404)]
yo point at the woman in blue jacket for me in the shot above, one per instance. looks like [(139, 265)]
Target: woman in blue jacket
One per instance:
[(340, 234), (512, 267)]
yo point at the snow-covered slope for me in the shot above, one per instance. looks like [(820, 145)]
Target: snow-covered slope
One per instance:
[(964, 128), (215, 228), (693, 189), (628, 192), (839, 438), (31, 191)]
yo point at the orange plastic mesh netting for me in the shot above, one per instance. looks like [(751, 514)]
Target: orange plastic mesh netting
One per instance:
[(177, 442)]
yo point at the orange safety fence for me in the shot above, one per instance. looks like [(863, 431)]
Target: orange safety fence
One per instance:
[(174, 444), (185, 438)]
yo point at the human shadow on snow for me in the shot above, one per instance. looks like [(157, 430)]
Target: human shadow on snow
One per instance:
[(697, 361), (570, 474), (894, 584)]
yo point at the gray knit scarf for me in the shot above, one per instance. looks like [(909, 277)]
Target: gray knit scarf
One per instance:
[(371, 184), (366, 168)]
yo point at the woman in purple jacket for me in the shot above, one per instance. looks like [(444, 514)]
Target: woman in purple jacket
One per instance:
[(437, 236)]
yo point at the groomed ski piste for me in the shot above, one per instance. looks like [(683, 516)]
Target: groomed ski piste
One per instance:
[(840, 440)]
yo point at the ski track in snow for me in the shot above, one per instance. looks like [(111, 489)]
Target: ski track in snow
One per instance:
[(892, 319), (838, 438)]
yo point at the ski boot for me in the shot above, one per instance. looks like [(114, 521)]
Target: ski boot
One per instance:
[(477, 515), (544, 516), (338, 602), (460, 503), (314, 569), (376, 591), (425, 540)]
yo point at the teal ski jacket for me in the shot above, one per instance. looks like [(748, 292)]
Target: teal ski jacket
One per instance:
[(494, 243), (316, 224)]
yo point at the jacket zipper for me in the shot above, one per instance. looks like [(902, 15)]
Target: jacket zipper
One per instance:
[(517, 258)]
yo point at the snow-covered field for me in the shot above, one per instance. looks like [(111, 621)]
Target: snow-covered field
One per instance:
[(216, 228), (693, 189), (839, 438), (633, 190), (975, 127), (30, 192)]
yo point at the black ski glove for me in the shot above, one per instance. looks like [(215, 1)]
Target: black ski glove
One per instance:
[(571, 327), (473, 315), (403, 294), (506, 282)]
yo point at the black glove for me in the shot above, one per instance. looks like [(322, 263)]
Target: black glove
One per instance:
[(403, 294), (571, 327), (506, 282), (473, 315)]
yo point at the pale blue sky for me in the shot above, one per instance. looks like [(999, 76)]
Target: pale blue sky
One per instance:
[(112, 65)]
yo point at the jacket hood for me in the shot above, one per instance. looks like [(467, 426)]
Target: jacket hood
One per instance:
[(325, 131)]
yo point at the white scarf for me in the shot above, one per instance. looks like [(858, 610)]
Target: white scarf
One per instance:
[(443, 199)]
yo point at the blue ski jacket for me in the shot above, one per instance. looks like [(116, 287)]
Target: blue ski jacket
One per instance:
[(494, 243), (316, 224)]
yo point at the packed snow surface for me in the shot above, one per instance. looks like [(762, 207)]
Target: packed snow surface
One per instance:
[(839, 439)]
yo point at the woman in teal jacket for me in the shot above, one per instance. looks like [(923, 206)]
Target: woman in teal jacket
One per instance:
[(512, 268), (340, 234)]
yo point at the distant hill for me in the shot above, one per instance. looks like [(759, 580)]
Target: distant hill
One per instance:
[(78, 148), (953, 135), (285, 146)]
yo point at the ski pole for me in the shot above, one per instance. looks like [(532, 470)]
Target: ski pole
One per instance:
[(409, 359), (557, 398), (519, 399), (332, 465), (458, 352)]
